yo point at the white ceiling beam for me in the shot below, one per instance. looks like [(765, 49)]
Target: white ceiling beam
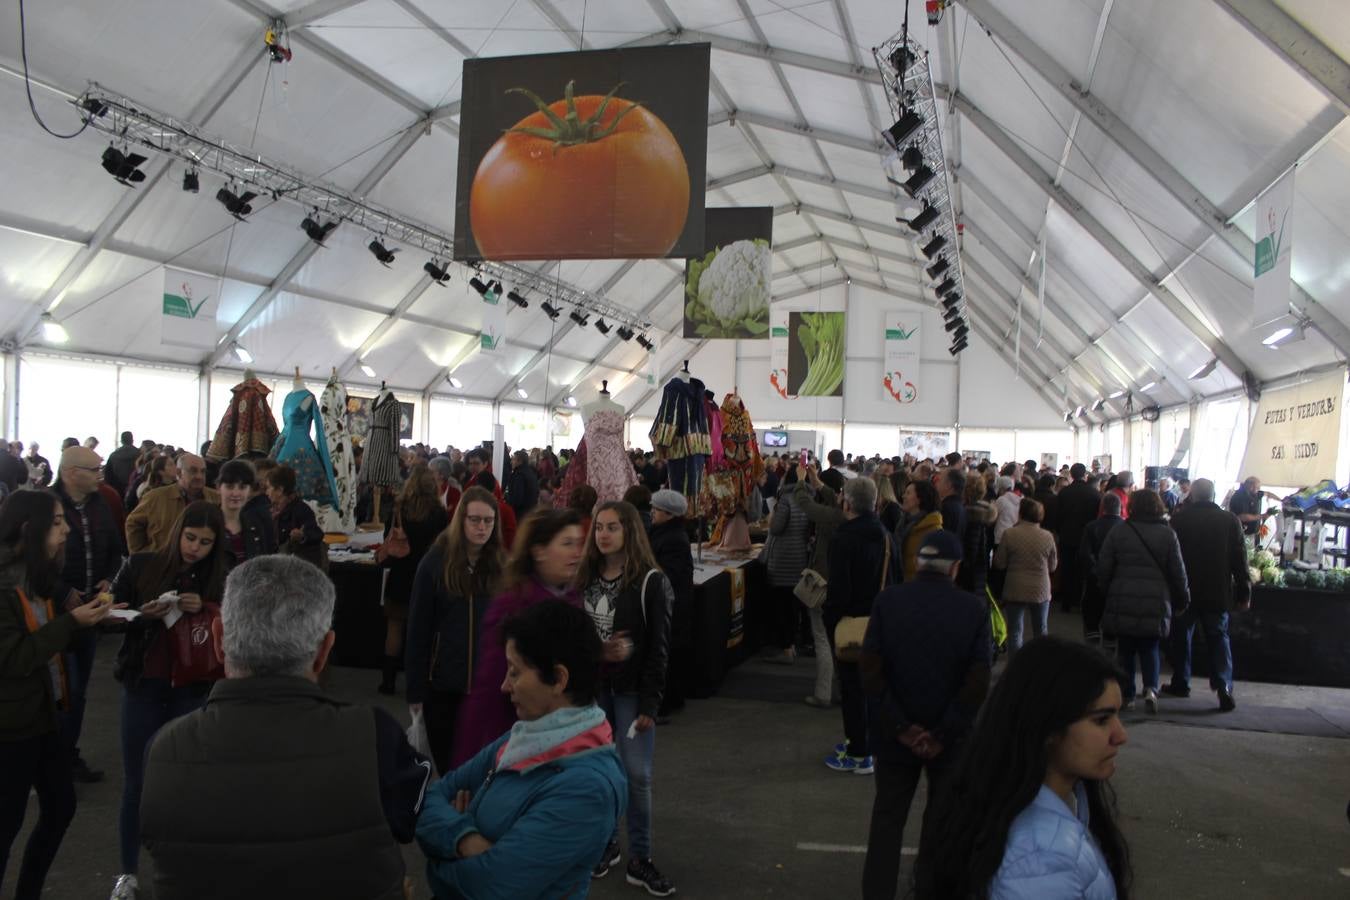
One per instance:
[(814, 63), (550, 12), (319, 9), (364, 187), (1103, 236), (436, 28), (802, 129), (1296, 45), (724, 181), (667, 375), (414, 293)]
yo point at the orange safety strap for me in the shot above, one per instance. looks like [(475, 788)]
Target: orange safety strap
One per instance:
[(30, 619)]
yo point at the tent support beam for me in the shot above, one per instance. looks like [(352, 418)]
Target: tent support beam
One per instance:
[(423, 282), (1296, 45)]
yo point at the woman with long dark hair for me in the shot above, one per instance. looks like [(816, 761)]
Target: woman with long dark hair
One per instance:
[(187, 575), (249, 529), (455, 582), (33, 637), (418, 511), (1029, 812), (630, 601)]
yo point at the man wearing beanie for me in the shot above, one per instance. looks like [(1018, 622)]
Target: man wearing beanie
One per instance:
[(925, 666), (670, 546)]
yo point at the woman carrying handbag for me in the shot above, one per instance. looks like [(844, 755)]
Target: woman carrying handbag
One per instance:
[(417, 521)]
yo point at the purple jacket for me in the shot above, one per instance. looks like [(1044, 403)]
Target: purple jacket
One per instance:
[(486, 713)]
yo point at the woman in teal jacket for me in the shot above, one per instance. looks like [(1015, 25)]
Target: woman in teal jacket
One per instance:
[(527, 817)]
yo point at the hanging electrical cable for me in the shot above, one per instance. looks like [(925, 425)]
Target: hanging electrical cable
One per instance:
[(28, 84)]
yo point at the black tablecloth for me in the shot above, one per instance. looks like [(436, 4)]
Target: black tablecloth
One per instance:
[(358, 618), (726, 625), (1289, 636)]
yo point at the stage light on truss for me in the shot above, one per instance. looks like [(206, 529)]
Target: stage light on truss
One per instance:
[(191, 183), (931, 248), (927, 216), (237, 205), (602, 326), (946, 287), (647, 343), (902, 58), (938, 268), (953, 324), (382, 254), (550, 310), (951, 313), (951, 300), (912, 158), (908, 123), (625, 332), (439, 273), (579, 317), (124, 167), (514, 296), (478, 285), (316, 230)]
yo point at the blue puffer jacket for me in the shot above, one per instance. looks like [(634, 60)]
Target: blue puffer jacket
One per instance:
[(1051, 855), (546, 794)]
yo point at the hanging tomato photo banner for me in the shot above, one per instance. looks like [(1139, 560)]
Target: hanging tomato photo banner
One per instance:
[(593, 155), (902, 374), (726, 290)]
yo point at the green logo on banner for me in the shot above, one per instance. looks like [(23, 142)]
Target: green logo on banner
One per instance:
[(485, 342), (778, 331), (899, 334), (181, 307), (1268, 248)]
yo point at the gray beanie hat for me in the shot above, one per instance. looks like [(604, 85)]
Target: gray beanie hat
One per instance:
[(669, 501)]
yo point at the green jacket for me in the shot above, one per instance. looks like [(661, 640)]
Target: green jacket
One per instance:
[(27, 702)]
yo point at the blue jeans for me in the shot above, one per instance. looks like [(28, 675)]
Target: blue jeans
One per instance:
[(146, 708), (1040, 621), (1146, 649), (79, 665), (1215, 626), (636, 755)]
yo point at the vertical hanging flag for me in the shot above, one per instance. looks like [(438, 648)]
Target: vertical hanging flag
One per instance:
[(1274, 250), (903, 369), (778, 351), (651, 367), (1040, 297), (493, 330), (188, 309)]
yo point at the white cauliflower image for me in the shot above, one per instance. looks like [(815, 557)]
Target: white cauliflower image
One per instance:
[(728, 291)]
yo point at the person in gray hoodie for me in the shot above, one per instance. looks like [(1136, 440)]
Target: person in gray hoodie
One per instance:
[(786, 555)]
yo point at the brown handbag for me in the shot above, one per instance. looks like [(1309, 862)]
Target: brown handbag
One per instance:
[(849, 633), (395, 544)]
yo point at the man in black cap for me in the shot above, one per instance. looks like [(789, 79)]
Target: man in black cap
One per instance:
[(925, 666)]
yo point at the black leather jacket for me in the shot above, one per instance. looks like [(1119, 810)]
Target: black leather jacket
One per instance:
[(644, 672)]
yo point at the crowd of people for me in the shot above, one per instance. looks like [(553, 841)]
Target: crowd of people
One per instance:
[(542, 649)]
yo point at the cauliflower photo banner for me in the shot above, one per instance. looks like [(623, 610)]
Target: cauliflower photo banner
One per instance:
[(726, 290)]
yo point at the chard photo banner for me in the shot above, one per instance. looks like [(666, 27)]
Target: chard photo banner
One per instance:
[(816, 354), (778, 352), (903, 370), (188, 309), (1296, 433), (1274, 250)]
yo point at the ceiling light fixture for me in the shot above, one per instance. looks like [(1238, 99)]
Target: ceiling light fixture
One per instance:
[(946, 287), (515, 297), (241, 354), (571, 401), (439, 273), (370, 373), (951, 300), (647, 343), (927, 216), (454, 382), (1098, 404), (1289, 334), (478, 285), (952, 312), (191, 183), (522, 393), (912, 158), (916, 182), (1148, 387), (1116, 395), (602, 326), (237, 205), (316, 230), (1204, 371), (902, 59), (931, 248), (550, 310), (125, 168), (53, 331), (383, 254), (625, 332), (494, 289), (953, 324), (908, 123), (938, 267), (579, 317)]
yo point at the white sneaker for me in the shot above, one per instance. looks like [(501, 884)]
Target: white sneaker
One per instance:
[(125, 888), (1151, 702)]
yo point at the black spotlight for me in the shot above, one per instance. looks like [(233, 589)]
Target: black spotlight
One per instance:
[(550, 310), (959, 336), (315, 230), (477, 284), (946, 287), (956, 348), (602, 326), (646, 344), (439, 274), (578, 316), (518, 300), (383, 254), (902, 58), (908, 123), (953, 324), (920, 177), (931, 248), (190, 182), (95, 107), (125, 167), (625, 332), (912, 158), (495, 288), (937, 268), (237, 206), (951, 300), (927, 216)]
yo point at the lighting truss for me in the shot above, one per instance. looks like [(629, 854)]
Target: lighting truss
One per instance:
[(130, 122), (916, 93)]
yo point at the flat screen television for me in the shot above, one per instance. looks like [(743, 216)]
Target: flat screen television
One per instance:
[(775, 439)]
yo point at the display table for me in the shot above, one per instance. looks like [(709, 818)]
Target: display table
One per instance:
[(722, 637), (358, 618), (1289, 636)]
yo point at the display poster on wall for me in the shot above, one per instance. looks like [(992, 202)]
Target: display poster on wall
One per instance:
[(593, 155), (815, 365), (778, 352), (1101, 463), (1274, 250), (188, 309), (978, 456), (925, 444), (1296, 433), (726, 290), (1049, 462), (903, 370), (492, 334), (358, 418)]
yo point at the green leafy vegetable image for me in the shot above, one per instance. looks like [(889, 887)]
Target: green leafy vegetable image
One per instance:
[(821, 336)]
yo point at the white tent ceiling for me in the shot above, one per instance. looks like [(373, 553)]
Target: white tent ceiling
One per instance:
[(1133, 136)]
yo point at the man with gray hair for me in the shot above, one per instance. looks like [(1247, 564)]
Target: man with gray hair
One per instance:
[(273, 788), (925, 666), (1215, 555)]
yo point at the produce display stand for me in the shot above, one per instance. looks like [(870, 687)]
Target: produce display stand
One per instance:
[(1288, 636), (1334, 552)]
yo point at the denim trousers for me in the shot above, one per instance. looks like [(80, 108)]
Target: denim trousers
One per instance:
[(1215, 626), (147, 707), (79, 665), (636, 755), (39, 763), (1012, 614), (1146, 649)]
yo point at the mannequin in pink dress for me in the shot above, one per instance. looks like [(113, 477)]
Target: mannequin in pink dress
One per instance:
[(600, 460)]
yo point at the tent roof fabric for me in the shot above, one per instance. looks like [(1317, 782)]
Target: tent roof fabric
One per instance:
[(1092, 125)]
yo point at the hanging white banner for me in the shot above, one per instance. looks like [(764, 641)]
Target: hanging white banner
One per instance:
[(778, 351), (903, 371), (188, 309), (492, 334), (1296, 433), (1274, 250)]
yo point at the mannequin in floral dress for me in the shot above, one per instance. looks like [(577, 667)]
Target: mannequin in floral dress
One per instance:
[(600, 460)]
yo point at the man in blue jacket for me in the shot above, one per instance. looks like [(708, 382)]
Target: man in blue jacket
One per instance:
[(925, 666)]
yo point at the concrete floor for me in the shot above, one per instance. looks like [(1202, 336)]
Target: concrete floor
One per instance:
[(746, 809)]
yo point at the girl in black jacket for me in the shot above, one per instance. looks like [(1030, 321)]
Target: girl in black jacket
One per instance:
[(249, 529), (298, 532), (419, 513), (192, 566), (454, 585), (630, 600)]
